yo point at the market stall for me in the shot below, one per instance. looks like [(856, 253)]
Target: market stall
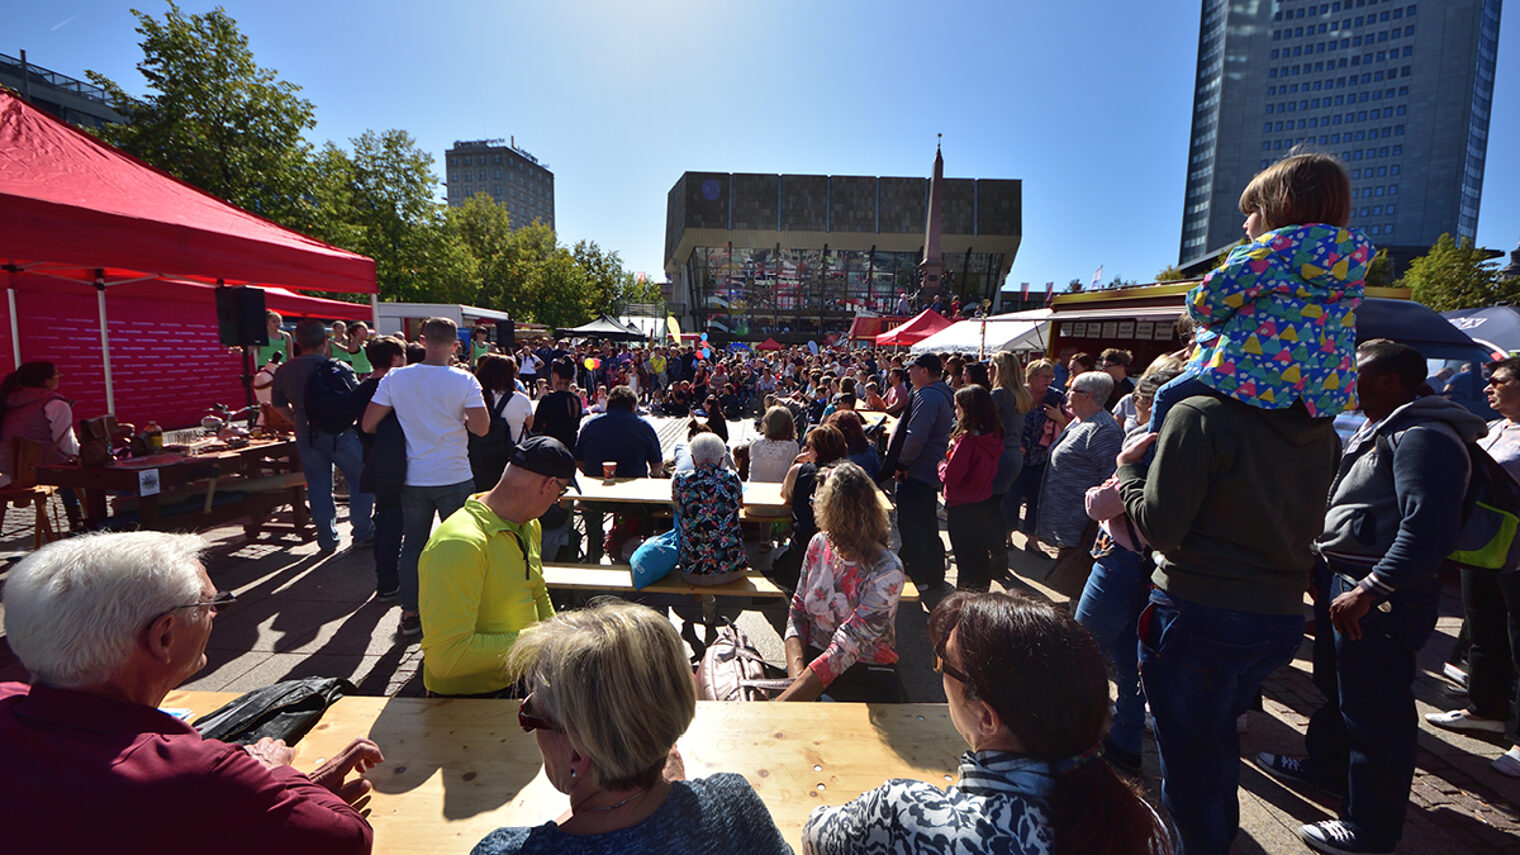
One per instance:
[(1020, 332), (921, 326)]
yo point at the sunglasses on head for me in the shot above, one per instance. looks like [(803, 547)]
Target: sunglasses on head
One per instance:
[(528, 721)]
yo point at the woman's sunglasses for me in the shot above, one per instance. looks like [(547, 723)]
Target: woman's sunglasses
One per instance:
[(528, 721)]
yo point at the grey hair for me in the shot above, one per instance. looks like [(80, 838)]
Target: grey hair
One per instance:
[(74, 608), (707, 448), (1099, 384)]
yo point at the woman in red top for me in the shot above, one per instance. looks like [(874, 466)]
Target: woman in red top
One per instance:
[(967, 473)]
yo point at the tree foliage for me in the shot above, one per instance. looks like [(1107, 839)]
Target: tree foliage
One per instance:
[(1456, 275), (1170, 274), (1380, 271), (217, 120)]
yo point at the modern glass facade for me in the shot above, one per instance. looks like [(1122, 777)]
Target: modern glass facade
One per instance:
[(762, 255)]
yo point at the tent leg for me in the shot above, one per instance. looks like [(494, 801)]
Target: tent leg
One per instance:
[(10, 296), (105, 347)]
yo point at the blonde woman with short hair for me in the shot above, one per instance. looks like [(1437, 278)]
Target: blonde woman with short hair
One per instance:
[(608, 693), (771, 457), (840, 639)]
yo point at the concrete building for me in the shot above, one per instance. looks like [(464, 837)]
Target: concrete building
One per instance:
[(504, 172), (1401, 91), (72, 100), (801, 255)]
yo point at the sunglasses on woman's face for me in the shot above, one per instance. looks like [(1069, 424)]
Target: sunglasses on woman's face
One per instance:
[(528, 721), (944, 667)]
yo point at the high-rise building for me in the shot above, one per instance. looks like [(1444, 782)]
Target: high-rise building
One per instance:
[(1401, 91), (802, 255), (506, 173), (68, 98)]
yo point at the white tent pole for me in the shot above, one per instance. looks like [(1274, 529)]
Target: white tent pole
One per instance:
[(374, 309), (105, 346), (10, 296)]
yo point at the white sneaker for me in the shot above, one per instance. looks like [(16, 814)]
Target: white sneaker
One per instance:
[(1463, 721), (1508, 763)]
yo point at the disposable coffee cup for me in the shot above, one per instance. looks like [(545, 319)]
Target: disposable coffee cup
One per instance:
[(609, 471)]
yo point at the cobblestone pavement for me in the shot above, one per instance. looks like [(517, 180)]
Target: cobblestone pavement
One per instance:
[(301, 614)]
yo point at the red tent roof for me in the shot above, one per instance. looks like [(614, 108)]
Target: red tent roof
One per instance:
[(768, 344), (924, 324), (71, 205)]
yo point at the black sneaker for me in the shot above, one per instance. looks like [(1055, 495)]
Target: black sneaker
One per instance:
[(1293, 770), (411, 626), (1337, 837), (1124, 762), (388, 595)]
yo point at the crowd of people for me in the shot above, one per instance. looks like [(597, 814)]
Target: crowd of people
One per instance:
[(1186, 510)]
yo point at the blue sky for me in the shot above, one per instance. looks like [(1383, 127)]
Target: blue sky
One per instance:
[(1086, 101)]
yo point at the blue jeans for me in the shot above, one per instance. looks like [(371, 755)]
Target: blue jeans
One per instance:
[(1024, 492), (1201, 667), (1363, 740), (922, 552), (318, 458), (1110, 608), (418, 504)]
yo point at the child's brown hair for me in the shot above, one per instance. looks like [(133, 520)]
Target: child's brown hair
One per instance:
[(1300, 188)]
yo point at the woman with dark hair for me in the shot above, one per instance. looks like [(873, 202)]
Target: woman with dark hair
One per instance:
[(714, 409), (823, 445), (1027, 689), (967, 472), (34, 410), (511, 415), (861, 454)]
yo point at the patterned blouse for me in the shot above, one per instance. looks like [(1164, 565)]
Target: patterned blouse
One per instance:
[(707, 501), (845, 608), (998, 806)]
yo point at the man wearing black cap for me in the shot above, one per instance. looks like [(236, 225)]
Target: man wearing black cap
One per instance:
[(481, 576), (918, 444)]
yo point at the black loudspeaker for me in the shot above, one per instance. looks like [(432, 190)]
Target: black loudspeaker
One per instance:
[(240, 317), (506, 333)]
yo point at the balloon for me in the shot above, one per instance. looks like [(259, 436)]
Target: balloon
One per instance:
[(704, 336), (590, 364), (706, 353)]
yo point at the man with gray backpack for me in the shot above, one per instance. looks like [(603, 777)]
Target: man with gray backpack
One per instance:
[(317, 393)]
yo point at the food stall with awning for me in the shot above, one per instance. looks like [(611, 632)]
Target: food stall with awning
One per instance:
[(921, 326)]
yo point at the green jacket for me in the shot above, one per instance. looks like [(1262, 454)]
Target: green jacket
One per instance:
[(1232, 502), (480, 587)]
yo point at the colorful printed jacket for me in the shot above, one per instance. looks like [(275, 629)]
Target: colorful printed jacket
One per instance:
[(1277, 323)]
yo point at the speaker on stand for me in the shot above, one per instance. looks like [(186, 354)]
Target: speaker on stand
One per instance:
[(240, 323), (506, 334)]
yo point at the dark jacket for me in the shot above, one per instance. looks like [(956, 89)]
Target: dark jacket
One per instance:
[(384, 472), (1396, 505), (925, 433), (1233, 501)]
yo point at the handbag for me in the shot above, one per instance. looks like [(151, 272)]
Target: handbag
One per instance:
[(655, 558), (733, 670)]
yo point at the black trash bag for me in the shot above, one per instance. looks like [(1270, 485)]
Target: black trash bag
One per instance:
[(286, 710)]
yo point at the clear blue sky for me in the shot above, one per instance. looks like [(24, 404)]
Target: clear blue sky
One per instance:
[(1087, 101)]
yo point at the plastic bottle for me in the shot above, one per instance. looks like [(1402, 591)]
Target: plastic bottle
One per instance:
[(155, 437)]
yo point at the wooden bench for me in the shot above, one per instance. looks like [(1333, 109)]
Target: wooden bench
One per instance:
[(618, 577)]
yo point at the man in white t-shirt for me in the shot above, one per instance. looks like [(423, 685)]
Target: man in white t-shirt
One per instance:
[(438, 406)]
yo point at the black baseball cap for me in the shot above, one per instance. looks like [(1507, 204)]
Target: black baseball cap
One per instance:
[(929, 361), (546, 456)]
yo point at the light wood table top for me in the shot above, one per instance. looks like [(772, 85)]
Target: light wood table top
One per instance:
[(758, 495), (619, 577), (457, 769)]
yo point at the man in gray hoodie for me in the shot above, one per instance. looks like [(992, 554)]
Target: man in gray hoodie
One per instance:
[(917, 446), (1394, 513)]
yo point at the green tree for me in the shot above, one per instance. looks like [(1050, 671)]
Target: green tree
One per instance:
[(215, 118), (1452, 276), (1170, 274), (1380, 271)]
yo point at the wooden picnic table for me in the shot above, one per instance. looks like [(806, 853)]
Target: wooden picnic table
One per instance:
[(456, 769), (758, 495), (619, 578), (267, 472)]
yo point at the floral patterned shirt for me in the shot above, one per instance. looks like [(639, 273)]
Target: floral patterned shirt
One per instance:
[(847, 609), (707, 501)]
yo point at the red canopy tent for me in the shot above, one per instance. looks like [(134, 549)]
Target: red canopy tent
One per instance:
[(78, 217), (769, 344), (924, 324)]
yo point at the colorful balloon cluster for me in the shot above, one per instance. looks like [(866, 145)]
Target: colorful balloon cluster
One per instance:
[(592, 363)]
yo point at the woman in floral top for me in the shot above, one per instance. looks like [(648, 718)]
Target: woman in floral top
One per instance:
[(839, 633), (707, 501)]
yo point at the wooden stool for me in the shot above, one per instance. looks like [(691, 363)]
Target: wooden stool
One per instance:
[(39, 496)]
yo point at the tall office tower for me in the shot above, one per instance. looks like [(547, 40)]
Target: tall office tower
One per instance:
[(506, 173), (1401, 91)]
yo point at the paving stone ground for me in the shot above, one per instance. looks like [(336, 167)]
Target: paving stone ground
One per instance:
[(301, 614)]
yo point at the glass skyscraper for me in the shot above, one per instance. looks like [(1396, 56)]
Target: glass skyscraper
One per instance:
[(1401, 91)]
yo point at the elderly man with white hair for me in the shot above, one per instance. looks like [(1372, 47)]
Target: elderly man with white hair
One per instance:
[(108, 625)]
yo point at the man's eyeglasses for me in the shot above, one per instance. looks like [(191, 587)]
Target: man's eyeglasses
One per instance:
[(944, 667), (528, 721), (219, 601)]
